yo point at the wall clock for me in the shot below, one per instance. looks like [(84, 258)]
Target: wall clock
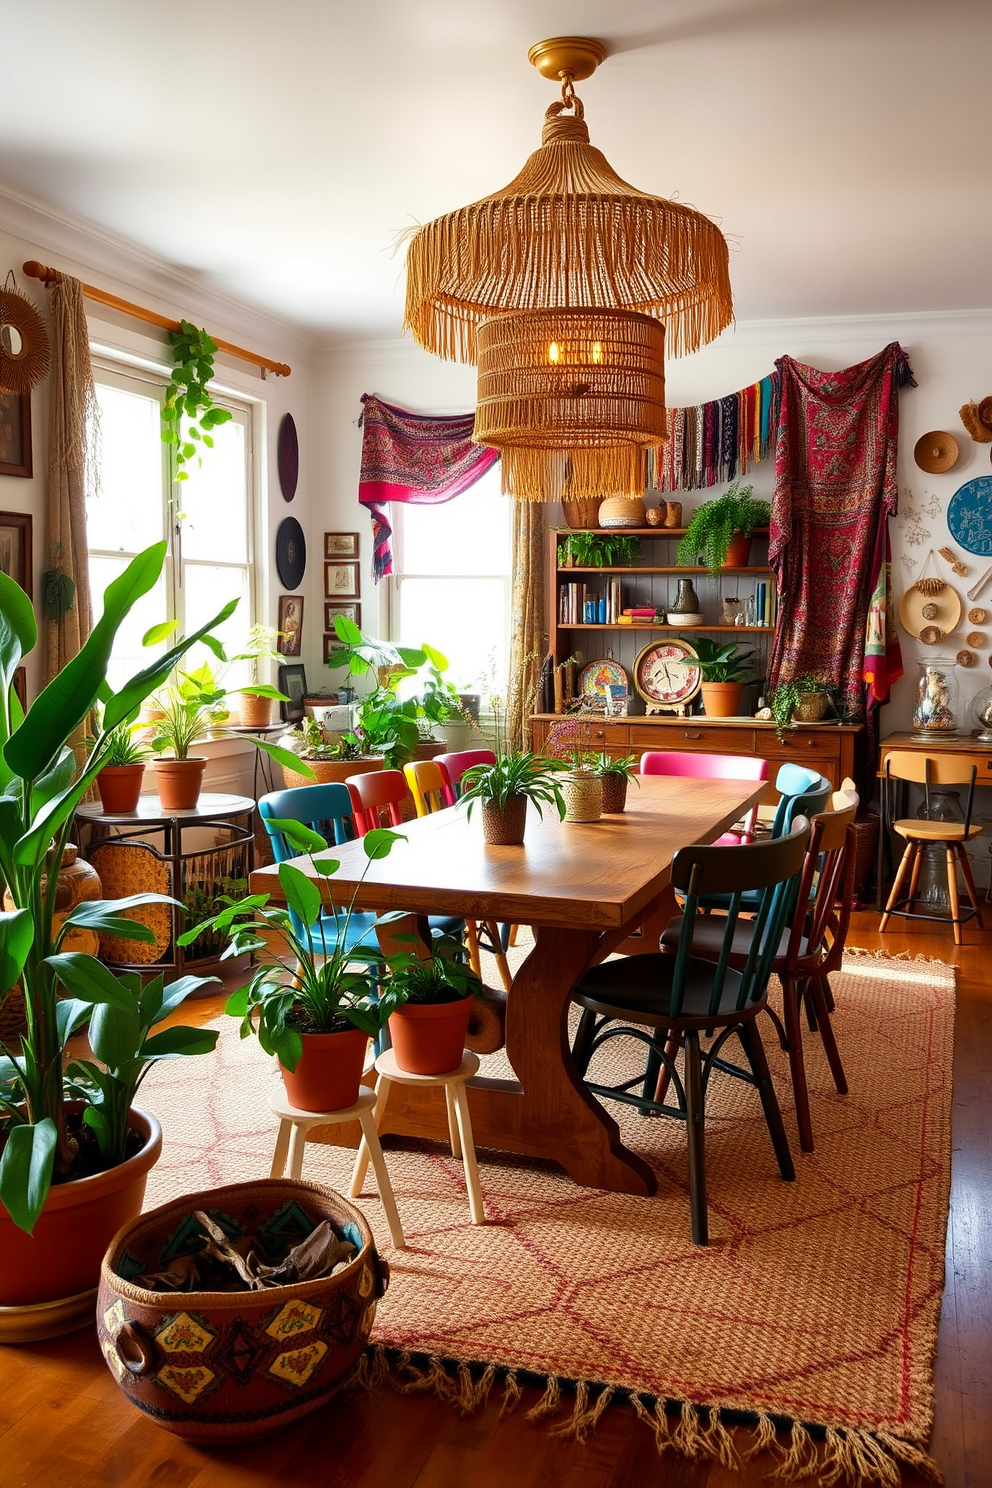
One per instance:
[(288, 457), (291, 553), (969, 516), (667, 676)]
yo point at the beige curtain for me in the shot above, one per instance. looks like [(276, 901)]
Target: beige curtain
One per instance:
[(528, 628), (72, 437)]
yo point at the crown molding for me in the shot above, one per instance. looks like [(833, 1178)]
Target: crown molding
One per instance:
[(95, 252), (921, 324)]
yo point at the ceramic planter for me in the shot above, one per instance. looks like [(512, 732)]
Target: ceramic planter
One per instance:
[(738, 551), (582, 792), (48, 1279), (255, 712), (614, 793), (327, 770), (179, 782), (810, 707), (722, 699), (329, 1071), (120, 787), (429, 1039), (225, 1367), (503, 826)]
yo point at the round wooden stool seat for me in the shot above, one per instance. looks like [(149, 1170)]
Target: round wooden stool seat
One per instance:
[(936, 831), (291, 1140), (459, 1121)]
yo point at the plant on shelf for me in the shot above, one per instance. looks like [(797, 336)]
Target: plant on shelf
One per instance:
[(725, 670), (122, 769), (312, 1004), (597, 550), (616, 774), (189, 413), (804, 699), (714, 526), (428, 999), (503, 789)]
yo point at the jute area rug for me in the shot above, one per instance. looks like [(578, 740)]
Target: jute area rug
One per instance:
[(811, 1318)]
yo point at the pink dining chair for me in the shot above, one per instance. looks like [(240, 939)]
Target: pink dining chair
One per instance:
[(453, 767), (711, 767)]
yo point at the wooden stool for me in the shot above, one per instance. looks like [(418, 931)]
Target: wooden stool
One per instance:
[(294, 1125), (459, 1122)]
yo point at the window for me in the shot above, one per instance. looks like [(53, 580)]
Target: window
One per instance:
[(207, 520), (451, 580)]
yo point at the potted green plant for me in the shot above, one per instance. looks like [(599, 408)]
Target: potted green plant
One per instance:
[(428, 1000), (316, 1009), (615, 773), (725, 670), (65, 1185), (255, 705), (122, 771), (504, 789), (804, 699), (719, 531), (597, 550), (326, 761)]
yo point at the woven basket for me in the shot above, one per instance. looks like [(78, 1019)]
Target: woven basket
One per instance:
[(614, 793), (503, 826), (865, 845), (582, 514), (582, 793), (810, 707)]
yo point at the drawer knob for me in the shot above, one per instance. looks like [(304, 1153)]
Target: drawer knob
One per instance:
[(697, 735), (599, 734)]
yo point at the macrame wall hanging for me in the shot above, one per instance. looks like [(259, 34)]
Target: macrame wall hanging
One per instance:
[(24, 350)]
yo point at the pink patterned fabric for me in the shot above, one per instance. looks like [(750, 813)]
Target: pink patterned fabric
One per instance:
[(416, 458)]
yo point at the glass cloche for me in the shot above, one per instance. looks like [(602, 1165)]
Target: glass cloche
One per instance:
[(935, 701), (981, 712)]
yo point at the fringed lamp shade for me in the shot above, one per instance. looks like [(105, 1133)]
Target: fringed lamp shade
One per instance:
[(572, 399), (567, 232)]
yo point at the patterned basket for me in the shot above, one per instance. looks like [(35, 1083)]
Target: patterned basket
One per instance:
[(134, 868), (582, 792), (811, 707)]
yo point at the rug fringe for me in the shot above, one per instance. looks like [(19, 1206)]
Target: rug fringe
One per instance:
[(882, 955)]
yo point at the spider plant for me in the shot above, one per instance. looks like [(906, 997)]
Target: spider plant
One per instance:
[(515, 775)]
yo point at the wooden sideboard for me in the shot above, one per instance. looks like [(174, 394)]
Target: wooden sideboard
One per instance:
[(826, 747)]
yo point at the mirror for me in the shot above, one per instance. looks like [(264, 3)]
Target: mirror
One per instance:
[(12, 343)]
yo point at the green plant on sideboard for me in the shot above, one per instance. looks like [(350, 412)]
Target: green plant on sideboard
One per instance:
[(718, 663)]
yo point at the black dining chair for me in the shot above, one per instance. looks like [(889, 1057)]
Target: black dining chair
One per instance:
[(657, 998)]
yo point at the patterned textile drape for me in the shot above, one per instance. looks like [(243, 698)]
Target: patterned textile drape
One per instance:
[(528, 639), (716, 441), (73, 422), (835, 488), (413, 457)]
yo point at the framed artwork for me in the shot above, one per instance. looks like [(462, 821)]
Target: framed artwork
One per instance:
[(15, 547), (15, 434), (340, 544), (342, 581), (293, 682), (331, 611), (290, 624), (331, 644)]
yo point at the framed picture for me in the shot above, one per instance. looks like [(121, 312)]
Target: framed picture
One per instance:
[(340, 544), (15, 547), (290, 624), (15, 434), (342, 581), (331, 644), (293, 682), (331, 611)]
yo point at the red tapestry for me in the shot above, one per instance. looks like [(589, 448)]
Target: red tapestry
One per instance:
[(835, 488)]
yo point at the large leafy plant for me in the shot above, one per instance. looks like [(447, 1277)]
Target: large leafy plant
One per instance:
[(714, 525), (722, 663)]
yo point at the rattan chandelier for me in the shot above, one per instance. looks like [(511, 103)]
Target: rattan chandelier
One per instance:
[(556, 286)]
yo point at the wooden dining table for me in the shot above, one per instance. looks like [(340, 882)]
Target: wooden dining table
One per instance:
[(587, 889)]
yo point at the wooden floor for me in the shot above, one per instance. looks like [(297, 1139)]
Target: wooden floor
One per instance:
[(65, 1424)]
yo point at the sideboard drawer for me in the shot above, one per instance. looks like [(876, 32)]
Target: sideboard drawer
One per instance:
[(801, 746), (690, 736)]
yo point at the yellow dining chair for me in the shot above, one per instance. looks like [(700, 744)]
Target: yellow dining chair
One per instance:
[(431, 792)]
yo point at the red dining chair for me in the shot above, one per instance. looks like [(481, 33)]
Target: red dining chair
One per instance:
[(453, 767), (711, 767)]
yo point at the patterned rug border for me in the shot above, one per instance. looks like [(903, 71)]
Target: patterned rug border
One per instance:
[(814, 1449)]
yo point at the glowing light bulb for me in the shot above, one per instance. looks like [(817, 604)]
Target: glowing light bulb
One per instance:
[(553, 352)]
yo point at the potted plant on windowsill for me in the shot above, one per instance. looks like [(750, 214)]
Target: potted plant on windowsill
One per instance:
[(327, 762), (719, 531), (255, 700), (615, 775), (66, 1181), (725, 671), (122, 770), (429, 1000), (504, 790)]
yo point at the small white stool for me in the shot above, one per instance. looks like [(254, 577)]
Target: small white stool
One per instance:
[(459, 1121), (291, 1139)]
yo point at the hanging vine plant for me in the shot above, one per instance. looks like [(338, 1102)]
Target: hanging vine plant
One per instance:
[(189, 413)]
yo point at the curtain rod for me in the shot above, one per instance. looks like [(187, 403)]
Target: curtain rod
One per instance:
[(36, 270)]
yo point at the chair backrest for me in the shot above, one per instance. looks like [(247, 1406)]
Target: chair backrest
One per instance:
[(704, 766), (428, 786), (326, 808), (826, 890), (932, 769), (453, 766), (772, 869), (378, 792), (801, 792)]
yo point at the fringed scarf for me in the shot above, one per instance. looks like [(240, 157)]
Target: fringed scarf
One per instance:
[(418, 458), (717, 441)]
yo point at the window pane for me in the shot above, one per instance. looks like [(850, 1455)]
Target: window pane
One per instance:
[(214, 500), (469, 535), (129, 656), (208, 587), (128, 514), (464, 618)]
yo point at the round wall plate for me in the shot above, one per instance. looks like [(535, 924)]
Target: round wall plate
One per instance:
[(598, 675), (969, 516), (914, 608), (291, 553), (288, 457)]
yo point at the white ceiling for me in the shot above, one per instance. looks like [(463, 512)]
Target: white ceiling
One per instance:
[(277, 147)]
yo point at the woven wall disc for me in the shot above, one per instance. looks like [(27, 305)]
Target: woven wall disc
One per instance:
[(966, 658), (936, 452), (976, 638), (931, 635), (24, 352), (977, 616)]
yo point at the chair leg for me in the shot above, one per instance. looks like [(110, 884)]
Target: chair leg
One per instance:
[(696, 1132), (827, 1034), (468, 1148), (969, 879), (828, 995), (665, 1076), (797, 1066), (806, 1000), (472, 935), (512, 938), (297, 1142), (914, 877), (455, 1139), (370, 1140), (952, 893), (755, 1051), (581, 1049), (361, 1167), (893, 897), (492, 929), (281, 1149)]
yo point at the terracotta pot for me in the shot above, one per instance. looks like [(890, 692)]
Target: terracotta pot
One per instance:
[(582, 792), (179, 782), (429, 1039), (61, 1260), (503, 826), (255, 712), (327, 770), (329, 1071), (120, 787), (228, 1366), (614, 793), (722, 699), (738, 552)]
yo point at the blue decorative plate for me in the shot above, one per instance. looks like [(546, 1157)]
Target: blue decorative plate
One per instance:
[(969, 516)]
